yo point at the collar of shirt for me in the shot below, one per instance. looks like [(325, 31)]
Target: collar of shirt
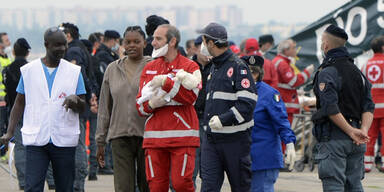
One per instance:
[(336, 53), (222, 58)]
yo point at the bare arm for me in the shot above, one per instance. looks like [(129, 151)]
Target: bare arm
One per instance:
[(357, 135), (366, 121), (16, 115)]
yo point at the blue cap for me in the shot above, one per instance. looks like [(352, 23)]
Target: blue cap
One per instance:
[(23, 43), (337, 31), (215, 31), (111, 34), (253, 60), (198, 40)]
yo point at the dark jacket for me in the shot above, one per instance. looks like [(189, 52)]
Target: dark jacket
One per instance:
[(200, 102), (11, 77)]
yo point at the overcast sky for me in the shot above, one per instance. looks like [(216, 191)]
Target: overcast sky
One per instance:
[(255, 11)]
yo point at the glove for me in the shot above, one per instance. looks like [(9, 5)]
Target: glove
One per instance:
[(291, 155), (157, 100), (310, 68), (188, 80), (215, 123), (158, 81)]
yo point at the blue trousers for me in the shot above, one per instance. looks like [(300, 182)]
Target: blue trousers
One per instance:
[(263, 180), (230, 157), (63, 165)]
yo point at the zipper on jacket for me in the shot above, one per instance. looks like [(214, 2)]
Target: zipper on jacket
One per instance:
[(181, 119)]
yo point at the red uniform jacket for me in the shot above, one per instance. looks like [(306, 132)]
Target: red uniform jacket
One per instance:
[(176, 124), (270, 74), (288, 81), (374, 71)]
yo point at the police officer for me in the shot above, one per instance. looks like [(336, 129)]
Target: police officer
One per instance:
[(271, 127), (106, 53), (231, 99), (344, 115)]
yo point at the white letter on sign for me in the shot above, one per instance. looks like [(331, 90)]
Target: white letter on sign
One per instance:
[(363, 25)]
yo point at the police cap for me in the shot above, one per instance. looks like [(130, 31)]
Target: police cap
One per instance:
[(215, 31), (112, 34), (253, 60), (198, 40), (337, 31)]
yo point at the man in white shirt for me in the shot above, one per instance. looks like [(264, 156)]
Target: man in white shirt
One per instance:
[(51, 95)]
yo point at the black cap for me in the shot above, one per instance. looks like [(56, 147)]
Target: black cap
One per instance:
[(23, 43), (268, 38), (337, 31), (111, 34), (253, 60), (153, 22), (215, 31), (198, 40)]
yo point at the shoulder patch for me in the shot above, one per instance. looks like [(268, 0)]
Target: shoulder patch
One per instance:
[(289, 74), (321, 86), (245, 83), (243, 72)]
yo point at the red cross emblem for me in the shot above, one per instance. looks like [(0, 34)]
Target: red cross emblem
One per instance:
[(245, 83), (374, 73), (230, 72)]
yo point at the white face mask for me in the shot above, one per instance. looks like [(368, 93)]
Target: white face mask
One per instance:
[(204, 50), (8, 50), (116, 47), (160, 51)]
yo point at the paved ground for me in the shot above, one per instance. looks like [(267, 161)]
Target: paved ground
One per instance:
[(287, 182)]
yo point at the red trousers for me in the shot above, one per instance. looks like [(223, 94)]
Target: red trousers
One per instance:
[(177, 161), (376, 127)]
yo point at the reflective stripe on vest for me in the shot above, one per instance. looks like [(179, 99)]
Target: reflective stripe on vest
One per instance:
[(285, 86), (292, 105), (377, 85), (379, 105), (234, 96), (277, 63), (170, 134), (235, 128)]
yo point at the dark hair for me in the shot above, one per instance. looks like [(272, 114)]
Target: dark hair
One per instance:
[(257, 69), (377, 44), (217, 43), (189, 42), (135, 28), (51, 31), (1, 36), (95, 37), (71, 29), (20, 51)]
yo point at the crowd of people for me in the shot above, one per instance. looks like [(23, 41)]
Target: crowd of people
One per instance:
[(160, 116)]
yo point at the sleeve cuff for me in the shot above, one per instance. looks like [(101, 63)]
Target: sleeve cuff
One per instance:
[(227, 118), (147, 108), (168, 85)]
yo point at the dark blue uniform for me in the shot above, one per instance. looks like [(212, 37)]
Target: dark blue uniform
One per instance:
[(232, 96), (340, 87)]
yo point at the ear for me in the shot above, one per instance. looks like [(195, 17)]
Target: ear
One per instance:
[(172, 43)]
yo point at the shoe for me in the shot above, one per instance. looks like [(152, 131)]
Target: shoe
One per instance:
[(105, 171), (92, 177), (51, 187)]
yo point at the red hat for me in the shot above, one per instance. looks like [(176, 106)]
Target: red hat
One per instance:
[(251, 45), (235, 49)]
